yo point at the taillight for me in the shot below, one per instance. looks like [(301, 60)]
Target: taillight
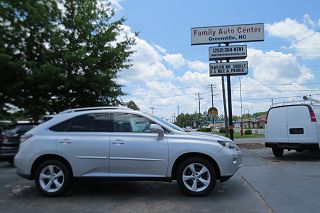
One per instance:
[(313, 117), (25, 137)]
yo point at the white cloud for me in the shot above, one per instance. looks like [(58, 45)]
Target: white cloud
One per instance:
[(304, 38), (312, 23), (175, 60), (198, 66), (115, 4), (277, 67)]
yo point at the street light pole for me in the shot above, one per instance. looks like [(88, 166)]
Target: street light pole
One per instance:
[(152, 108), (199, 98)]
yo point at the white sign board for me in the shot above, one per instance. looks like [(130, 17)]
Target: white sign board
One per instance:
[(228, 52), (228, 68), (227, 34)]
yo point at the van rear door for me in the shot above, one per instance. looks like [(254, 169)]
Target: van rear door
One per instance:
[(276, 130), (300, 127)]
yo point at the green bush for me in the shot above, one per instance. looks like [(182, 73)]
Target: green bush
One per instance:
[(248, 132), (204, 130), (222, 130)]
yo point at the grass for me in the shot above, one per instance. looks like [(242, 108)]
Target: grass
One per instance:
[(237, 135)]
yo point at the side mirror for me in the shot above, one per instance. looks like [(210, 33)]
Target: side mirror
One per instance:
[(156, 128)]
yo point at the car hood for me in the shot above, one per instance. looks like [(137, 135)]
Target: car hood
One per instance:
[(209, 136)]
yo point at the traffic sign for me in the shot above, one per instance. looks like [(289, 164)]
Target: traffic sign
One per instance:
[(228, 52), (228, 68)]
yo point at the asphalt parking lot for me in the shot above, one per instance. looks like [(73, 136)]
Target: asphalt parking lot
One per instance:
[(263, 184)]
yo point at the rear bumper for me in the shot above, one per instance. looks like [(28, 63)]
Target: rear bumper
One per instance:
[(295, 146), (21, 174)]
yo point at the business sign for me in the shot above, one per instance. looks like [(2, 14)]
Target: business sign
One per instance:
[(228, 68), (227, 34), (228, 52)]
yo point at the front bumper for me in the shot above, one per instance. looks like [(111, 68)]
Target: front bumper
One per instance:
[(8, 150), (230, 161)]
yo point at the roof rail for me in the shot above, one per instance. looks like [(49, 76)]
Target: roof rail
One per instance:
[(93, 108)]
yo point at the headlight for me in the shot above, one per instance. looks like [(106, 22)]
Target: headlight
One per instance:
[(227, 144)]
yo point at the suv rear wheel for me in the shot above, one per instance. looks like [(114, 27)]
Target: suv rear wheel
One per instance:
[(52, 178), (196, 176)]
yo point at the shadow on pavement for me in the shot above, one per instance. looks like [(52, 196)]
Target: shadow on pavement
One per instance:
[(290, 156)]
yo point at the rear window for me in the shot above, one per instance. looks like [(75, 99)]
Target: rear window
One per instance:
[(94, 122)]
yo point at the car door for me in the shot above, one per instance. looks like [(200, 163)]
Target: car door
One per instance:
[(277, 126), (300, 127), (134, 150), (85, 143)]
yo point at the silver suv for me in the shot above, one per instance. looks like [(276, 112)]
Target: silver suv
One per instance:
[(120, 143)]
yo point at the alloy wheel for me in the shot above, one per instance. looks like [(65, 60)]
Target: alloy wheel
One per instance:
[(51, 178), (196, 177)]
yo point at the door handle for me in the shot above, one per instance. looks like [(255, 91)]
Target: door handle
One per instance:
[(118, 142), (65, 141)]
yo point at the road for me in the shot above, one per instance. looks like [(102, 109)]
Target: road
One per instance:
[(263, 184)]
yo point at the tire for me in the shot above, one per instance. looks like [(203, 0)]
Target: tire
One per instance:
[(52, 178), (277, 152), (189, 179)]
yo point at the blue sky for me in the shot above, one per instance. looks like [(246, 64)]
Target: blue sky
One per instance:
[(167, 71)]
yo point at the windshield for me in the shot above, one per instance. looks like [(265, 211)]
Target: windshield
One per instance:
[(173, 126)]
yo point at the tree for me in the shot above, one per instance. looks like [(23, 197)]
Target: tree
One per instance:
[(132, 105), (184, 120), (60, 57)]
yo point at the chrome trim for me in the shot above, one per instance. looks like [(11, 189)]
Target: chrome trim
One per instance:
[(91, 157), (137, 159)]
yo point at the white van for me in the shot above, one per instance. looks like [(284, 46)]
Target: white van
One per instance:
[(292, 127)]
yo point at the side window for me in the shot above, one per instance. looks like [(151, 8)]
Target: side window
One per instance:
[(95, 122), (124, 122)]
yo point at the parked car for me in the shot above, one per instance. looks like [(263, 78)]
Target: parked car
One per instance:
[(46, 118), (122, 144), (10, 140), (292, 127)]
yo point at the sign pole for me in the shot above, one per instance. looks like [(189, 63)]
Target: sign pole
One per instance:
[(229, 103), (225, 107)]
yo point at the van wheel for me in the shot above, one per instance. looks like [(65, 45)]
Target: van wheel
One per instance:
[(196, 176), (52, 178), (277, 152)]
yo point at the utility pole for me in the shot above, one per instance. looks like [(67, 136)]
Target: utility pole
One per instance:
[(199, 98), (178, 109), (152, 108), (212, 105)]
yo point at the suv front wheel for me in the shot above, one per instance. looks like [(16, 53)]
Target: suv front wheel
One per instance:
[(196, 176), (52, 178)]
